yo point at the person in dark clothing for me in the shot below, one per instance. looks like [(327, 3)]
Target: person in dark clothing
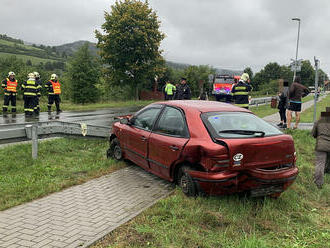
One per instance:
[(10, 92), (296, 92), (183, 90), (283, 104), (39, 86), (321, 131), (54, 90), (30, 89), (241, 91)]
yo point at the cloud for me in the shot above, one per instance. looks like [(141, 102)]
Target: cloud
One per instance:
[(230, 34)]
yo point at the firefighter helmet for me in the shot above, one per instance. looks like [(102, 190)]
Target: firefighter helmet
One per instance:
[(53, 76), (36, 74), (31, 75), (11, 73), (245, 77)]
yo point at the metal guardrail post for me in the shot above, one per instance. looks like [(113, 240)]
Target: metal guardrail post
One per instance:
[(32, 133)]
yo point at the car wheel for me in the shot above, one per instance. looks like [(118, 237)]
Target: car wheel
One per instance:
[(114, 150), (185, 182)]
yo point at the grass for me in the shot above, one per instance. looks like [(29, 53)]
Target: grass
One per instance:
[(307, 115), (61, 163), (69, 106), (12, 44), (299, 218), (34, 60)]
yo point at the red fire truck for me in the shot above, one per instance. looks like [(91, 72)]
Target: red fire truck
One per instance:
[(222, 85)]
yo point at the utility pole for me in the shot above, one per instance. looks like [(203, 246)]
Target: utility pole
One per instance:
[(317, 64), (296, 61)]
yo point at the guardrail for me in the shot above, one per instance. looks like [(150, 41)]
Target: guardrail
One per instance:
[(261, 100), (20, 132)]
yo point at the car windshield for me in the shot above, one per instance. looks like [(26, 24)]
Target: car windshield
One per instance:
[(237, 125)]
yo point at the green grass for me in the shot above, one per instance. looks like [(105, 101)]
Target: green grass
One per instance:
[(69, 106), (34, 60), (61, 163), (299, 218), (307, 115), (12, 44), (263, 110)]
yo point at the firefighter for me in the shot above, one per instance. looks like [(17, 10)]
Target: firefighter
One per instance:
[(10, 91), (241, 91), (30, 89), (54, 90), (39, 85)]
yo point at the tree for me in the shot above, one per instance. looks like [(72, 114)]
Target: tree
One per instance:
[(249, 71), (130, 43), (83, 75)]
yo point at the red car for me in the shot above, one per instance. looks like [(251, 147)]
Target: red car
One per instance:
[(207, 147)]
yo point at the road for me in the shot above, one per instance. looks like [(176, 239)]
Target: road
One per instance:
[(102, 117)]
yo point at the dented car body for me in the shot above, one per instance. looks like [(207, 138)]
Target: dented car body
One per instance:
[(207, 147)]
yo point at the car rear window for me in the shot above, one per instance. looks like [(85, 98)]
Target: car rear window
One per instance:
[(237, 125)]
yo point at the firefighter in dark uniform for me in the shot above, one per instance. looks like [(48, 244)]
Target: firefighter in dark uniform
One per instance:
[(39, 86), (30, 89), (241, 91), (183, 91), (54, 90), (10, 92)]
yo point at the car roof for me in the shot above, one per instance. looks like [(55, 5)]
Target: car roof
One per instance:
[(204, 106)]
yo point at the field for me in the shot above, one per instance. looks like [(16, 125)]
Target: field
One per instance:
[(299, 218), (12, 44), (34, 60), (307, 116), (61, 163)]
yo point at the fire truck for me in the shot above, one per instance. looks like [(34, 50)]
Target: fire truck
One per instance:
[(222, 85)]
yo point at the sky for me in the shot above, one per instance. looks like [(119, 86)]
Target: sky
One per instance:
[(231, 34)]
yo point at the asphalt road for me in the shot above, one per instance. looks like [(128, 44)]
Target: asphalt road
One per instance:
[(102, 117)]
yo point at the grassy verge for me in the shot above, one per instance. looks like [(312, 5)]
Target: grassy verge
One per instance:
[(263, 110), (61, 163), (307, 115), (69, 106), (299, 218)]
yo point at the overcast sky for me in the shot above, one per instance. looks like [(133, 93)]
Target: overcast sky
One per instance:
[(230, 34)]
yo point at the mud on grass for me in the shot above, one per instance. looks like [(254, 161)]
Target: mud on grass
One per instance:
[(299, 218), (61, 163)]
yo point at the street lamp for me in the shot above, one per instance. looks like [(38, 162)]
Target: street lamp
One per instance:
[(296, 62)]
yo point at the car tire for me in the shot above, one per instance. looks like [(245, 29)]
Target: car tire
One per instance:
[(115, 150), (185, 182)]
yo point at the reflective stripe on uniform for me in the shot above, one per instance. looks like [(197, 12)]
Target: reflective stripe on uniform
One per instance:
[(29, 94), (241, 93), (240, 88), (31, 87), (29, 110)]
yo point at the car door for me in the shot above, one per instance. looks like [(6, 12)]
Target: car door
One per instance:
[(167, 140), (136, 140)]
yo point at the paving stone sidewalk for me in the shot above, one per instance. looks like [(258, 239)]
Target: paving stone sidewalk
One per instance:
[(82, 214), (275, 118)]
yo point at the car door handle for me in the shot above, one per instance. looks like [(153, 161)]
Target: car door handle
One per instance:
[(143, 138), (174, 148)]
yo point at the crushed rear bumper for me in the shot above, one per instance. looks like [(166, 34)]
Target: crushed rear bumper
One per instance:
[(258, 181)]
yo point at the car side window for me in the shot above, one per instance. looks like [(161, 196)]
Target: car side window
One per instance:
[(146, 119), (172, 122)]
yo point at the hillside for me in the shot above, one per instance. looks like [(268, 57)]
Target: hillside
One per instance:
[(70, 48)]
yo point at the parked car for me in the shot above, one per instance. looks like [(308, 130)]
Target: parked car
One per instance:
[(207, 147)]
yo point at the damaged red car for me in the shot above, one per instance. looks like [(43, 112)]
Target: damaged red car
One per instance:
[(207, 147)]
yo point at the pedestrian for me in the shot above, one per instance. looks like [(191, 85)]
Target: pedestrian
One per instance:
[(283, 104), (321, 131), (169, 91), (39, 86), (183, 90), (296, 92), (10, 92), (54, 91), (30, 89), (241, 91)]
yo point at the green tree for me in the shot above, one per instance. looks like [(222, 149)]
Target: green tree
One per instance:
[(83, 75), (130, 43), (249, 71)]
